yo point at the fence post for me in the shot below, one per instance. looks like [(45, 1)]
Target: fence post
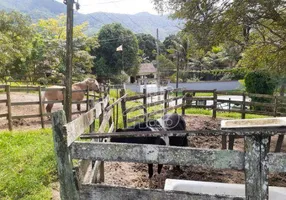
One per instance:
[(165, 101), (215, 104), (41, 107), (275, 106), (256, 170), (183, 103), (117, 110), (145, 104), (92, 126), (68, 190), (123, 108), (9, 115), (87, 99), (101, 117), (243, 105)]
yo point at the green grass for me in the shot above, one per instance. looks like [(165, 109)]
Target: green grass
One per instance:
[(27, 165)]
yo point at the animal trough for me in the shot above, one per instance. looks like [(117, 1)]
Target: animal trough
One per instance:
[(254, 123), (214, 188)]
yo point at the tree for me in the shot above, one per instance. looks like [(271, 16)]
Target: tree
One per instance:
[(257, 25), (166, 67), (50, 49), (15, 37), (110, 63), (147, 44)]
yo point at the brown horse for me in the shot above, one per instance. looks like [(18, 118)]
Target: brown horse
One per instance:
[(54, 95)]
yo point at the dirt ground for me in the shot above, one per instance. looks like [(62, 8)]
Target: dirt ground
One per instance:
[(135, 174)]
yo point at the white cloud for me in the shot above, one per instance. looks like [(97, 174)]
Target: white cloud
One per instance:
[(116, 6)]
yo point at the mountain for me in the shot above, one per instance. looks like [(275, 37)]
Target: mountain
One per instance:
[(138, 23)]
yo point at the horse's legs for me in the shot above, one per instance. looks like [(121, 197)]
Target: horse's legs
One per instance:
[(49, 108), (78, 106)]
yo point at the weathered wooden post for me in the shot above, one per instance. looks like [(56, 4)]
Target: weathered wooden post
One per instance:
[(215, 103), (275, 106), (41, 107), (243, 105), (145, 104), (87, 99), (9, 115), (256, 169), (183, 103), (165, 101), (123, 108), (68, 190)]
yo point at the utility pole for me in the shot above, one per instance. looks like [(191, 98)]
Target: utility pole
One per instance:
[(177, 77), (157, 61), (69, 53)]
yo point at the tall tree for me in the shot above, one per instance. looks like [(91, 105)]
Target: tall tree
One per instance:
[(110, 63), (15, 37), (147, 44)]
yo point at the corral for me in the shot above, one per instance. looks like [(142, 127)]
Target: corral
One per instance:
[(120, 174)]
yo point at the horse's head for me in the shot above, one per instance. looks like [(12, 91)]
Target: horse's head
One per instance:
[(92, 84)]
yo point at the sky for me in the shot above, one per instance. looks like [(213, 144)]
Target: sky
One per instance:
[(116, 6)]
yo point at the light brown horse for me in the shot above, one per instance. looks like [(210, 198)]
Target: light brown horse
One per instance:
[(54, 95)]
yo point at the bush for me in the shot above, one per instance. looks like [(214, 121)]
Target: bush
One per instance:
[(260, 82)]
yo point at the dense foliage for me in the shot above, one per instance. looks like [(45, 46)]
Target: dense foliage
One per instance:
[(109, 62)]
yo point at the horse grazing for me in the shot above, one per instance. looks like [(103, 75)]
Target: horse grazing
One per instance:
[(168, 122), (54, 95)]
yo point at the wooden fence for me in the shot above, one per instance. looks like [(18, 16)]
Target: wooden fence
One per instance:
[(256, 161), (274, 105), (167, 98), (41, 114)]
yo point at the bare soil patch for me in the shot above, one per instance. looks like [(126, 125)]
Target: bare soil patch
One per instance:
[(136, 175)]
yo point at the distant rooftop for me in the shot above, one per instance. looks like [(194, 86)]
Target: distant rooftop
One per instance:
[(146, 69)]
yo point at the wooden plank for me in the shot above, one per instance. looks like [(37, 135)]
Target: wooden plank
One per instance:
[(240, 132), (77, 127), (132, 98), (260, 95), (115, 103), (123, 108), (217, 159), (279, 143), (105, 192), (277, 162), (256, 169), (3, 101), (253, 103), (229, 101), (145, 105), (198, 106), (4, 115), (199, 91), (200, 98), (68, 189), (24, 103), (79, 102), (104, 121), (111, 128), (214, 104), (229, 93)]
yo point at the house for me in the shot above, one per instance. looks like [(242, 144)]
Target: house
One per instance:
[(146, 70)]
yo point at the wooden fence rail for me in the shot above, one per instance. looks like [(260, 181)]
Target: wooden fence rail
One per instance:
[(255, 161), (41, 114)]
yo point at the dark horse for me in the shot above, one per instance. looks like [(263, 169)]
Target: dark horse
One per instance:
[(168, 122)]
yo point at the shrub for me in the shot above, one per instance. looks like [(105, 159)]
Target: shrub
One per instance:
[(260, 82)]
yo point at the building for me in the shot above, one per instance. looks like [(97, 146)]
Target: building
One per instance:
[(146, 70)]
